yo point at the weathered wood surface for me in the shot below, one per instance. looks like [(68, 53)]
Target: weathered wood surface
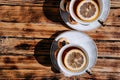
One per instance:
[(28, 46), (27, 29)]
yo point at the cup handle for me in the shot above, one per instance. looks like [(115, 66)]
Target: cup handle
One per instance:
[(101, 22), (105, 12), (89, 72)]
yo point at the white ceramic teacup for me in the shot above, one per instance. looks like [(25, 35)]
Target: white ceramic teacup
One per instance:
[(89, 60), (77, 19)]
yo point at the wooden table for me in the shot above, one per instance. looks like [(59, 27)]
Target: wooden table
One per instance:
[(27, 29)]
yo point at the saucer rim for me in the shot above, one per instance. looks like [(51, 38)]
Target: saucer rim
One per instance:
[(86, 27), (80, 34)]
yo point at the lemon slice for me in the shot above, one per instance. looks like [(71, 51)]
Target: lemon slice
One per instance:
[(88, 10), (74, 60)]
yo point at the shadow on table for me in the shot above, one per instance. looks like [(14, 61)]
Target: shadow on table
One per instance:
[(51, 10), (42, 51)]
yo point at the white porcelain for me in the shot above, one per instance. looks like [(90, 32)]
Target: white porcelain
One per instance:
[(81, 40), (71, 11), (65, 71), (85, 26)]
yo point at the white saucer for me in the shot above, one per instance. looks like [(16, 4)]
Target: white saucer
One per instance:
[(92, 25), (79, 38)]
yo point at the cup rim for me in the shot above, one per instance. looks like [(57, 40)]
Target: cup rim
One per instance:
[(71, 11), (61, 65)]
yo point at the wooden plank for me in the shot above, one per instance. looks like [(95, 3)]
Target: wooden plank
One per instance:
[(108, 49), (107, 65), (40, 75), (114, 3), (24, 46), (25, 63), (113, 17), (102, 76), (24, 14), (25, 74), (105, 33), (16, 46), (44, 30), (44, 63), (32, 75), (33, 3), (21, 67)]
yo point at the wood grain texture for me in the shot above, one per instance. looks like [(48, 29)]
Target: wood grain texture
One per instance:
[(23, 14), (41, 46), (44, 13), (114, 3), (44, 30), (33, 63), (21, 66), (27, 29), (39, 75)]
